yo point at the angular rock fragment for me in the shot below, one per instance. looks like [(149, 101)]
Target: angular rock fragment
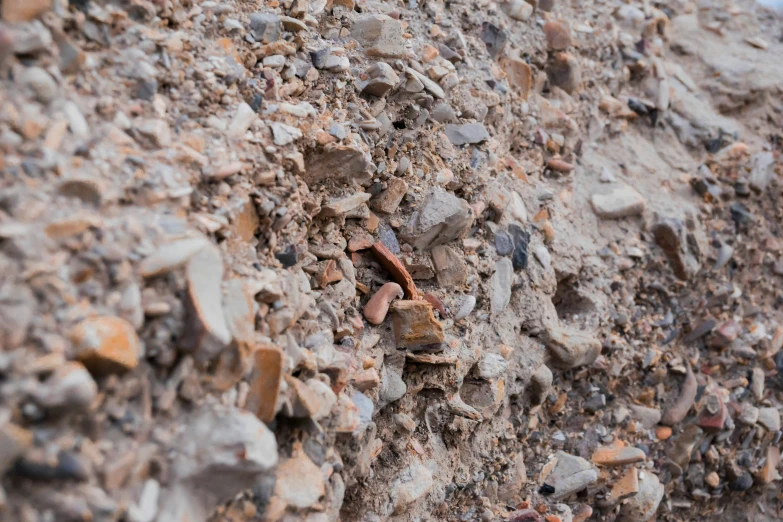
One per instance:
[(490, 366), (397, 270), (341, 206), (171, 255), (642, 506), (380, 79), (380, 35), (208, 333), (769, 418), (467, 133), (106, 344), (299, 483), (450, 267), (627, 486), (558, 35), (265, 382), (338, 162), (412, 484), (565, 72), (649, 417), (212, 465), (679, 407), (424, 82), (671, 236), (500, 285), (415, 325), (520, 76), (570, 475), (388, 200), (617, 455), (620, 202), (494, 38), (570, 348), (265, 27), (442, 218)]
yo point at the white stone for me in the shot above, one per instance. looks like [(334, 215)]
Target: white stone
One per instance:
[(242, 120), (620, 202)]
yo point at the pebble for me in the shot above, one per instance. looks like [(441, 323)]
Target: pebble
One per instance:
[(70, 386), (500, 284), (389, 200), (518, 10), (570, 475), (565, 72), (621, 202), (626, 486), (380, 79), (465, 308), (414, 324), (380, 35), (558, 35), (265, 27), (467, 133), (441, 219), (504, 244), (617, 455), (571, 348), (299, 482), (106, 344), (378, 306), (642, 506), (649, 417), (411, 484), (242, 120), (769, 418), (39, 82)]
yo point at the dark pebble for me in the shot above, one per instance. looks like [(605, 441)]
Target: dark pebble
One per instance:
[(288, 256), (146, 89), (319, 57), (69, 467), (546, 489), (504, 245), (595, 403), (388, 238), (521, 238), (743, 482), (494, 38)]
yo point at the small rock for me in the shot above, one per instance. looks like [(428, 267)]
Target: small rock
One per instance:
[(595, 403), (39, 81), (265, 382), (397, 270), (441, 219), (337, 162), (504, 245), (466, 133), (380, 35), (284, 134), (565, 72), (714, 415), (617, 455), (558, 35), (209, 468), (769, 472), (378, 306), (424, 83), (742, 481), (525, 515), (670, 235), (23, 11), (30, 39), (412, 484), (70, 386), (642, 506), (520, 75), (392, 387), (364, 380), (570, 348), (465, 308), (208, 333), (450, 267), (106, 344), (341, 206), (300, 483), (381, 78), (265, 27), (388, 200), (500, 285), (490, 366), (621, 202), (649, 417), (520, 255), (683, 445), (415, 325), (627, 486), (570, 475), (769, 418), (679, 407), (541, 383), (241, 122), (518, 10), (171, 255), (494, 38), (757, 383), (712, 479), (748, 414)]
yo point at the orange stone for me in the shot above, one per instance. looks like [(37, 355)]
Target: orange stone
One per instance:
[(265, 382), (663, 432), (626, 487), (618, 454), (106, 344), (397, 270), (414, 324)]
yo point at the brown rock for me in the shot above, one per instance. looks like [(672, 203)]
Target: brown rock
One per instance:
[(627, 486), (415, 325), (300, 483), (520, 76), (360, 240), (618, 454), (397, 270), (246, 221), (304, 401), (327, 273), (368, 379), (341, 206), (675, 413), (558, 35), (450, 267), (712, 479), (265, 382), (671, 236), (378, 306), (338, 162), (565, 72), (769, 472), (388, 200), (714, 414), (559, 165), (106, 344), (23, 10), (419, 265)]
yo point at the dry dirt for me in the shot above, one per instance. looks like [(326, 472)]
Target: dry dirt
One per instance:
[(366, 261)]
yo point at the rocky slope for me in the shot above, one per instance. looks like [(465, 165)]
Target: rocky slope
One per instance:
[(321, 260)]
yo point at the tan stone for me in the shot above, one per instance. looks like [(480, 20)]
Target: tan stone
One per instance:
[(558, 35), (388, 200), (520, 76), (368, 379), (414, 324), (106, 344), (712, 479), (450, 267), (618, 454), (23, 10), (265, 382), (300, 483), (627, 486)]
